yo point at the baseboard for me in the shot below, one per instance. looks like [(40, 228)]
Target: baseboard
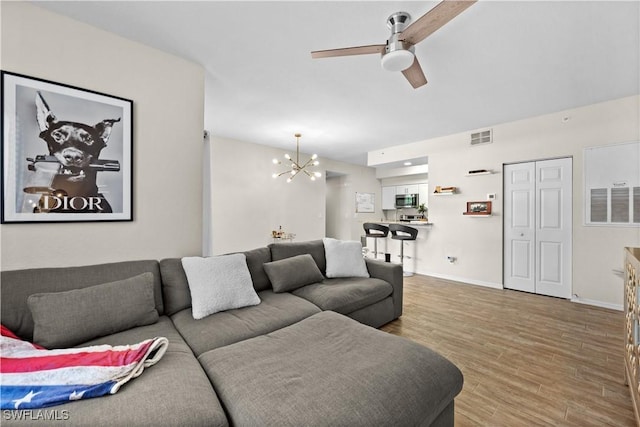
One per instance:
[(463, 280), (618, 307)]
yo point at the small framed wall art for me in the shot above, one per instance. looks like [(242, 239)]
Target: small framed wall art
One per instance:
[(365, 202), (478, 208), (67, 153)]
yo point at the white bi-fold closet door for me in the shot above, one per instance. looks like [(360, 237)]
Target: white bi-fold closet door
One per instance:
[(537, 227)]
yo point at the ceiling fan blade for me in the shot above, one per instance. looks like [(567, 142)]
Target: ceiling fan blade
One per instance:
[(428, 23), (415, 75), (358, 50)]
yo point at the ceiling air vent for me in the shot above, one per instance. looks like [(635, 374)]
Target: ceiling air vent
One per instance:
[(482, 137)]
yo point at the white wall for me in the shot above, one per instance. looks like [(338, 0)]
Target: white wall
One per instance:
[(357, 179), (333, 225), (167, 94), (405, 180), (247, 204), (477, 242)]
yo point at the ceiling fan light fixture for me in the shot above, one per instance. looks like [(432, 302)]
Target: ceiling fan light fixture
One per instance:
[(398, 53), (397, 60)]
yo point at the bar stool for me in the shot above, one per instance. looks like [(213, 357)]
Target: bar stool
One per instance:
[(403, 233), (375, 231)]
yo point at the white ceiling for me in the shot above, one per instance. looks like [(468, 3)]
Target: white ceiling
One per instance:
[(498, 61)]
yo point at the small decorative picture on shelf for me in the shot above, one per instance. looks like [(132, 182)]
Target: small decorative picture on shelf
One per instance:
[(478, 208)]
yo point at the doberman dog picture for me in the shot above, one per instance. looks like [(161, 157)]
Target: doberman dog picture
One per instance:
[(72, 164)]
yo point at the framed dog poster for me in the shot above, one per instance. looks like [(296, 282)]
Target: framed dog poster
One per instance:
[(67, 153)]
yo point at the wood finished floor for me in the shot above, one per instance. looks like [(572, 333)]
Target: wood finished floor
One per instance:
[(527, 359)]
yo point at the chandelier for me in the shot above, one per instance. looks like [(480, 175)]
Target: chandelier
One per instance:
[(296, 167)]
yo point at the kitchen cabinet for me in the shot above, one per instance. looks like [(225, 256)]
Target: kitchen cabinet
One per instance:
[(389, 197), (407, 189)]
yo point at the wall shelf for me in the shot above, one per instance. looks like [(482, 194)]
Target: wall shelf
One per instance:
[(444, 194), (480, 173), (476, 215), (441, 191)]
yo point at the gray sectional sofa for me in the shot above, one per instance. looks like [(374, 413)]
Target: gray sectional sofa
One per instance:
[(307, 357)]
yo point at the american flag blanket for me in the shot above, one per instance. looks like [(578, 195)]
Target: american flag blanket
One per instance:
[(33, 377)]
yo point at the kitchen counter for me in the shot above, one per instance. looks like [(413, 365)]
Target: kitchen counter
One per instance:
[(409, 223)]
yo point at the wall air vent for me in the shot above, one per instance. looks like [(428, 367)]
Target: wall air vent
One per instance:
[(482, 137)]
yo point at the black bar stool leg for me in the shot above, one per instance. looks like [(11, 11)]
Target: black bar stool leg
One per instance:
[(403, 233)]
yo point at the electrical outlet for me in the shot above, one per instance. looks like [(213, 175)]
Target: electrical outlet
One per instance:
[(491, 196)]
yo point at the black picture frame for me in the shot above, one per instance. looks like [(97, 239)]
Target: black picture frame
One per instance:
[(67, 152)]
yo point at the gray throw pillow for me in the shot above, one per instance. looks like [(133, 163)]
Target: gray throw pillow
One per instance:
[(66, 319), (344, 258), (219, 283), (292, 273)]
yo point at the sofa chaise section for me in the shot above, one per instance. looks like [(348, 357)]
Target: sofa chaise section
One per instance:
[(331, 370)]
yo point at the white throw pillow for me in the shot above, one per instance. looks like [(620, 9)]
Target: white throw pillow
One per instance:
[(219, 283), (344, 258)]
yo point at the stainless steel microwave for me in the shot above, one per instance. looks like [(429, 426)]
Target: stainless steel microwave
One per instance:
[(406, 201)]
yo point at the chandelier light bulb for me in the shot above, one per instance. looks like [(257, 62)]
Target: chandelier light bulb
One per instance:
[(315, 156), (317, 174), (293, 172), (288, 180), (313, 178), (276, 161), (275, 175), (316, 163), (287, 156)]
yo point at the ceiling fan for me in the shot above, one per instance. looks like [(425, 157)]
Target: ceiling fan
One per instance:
[(398, 52)]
